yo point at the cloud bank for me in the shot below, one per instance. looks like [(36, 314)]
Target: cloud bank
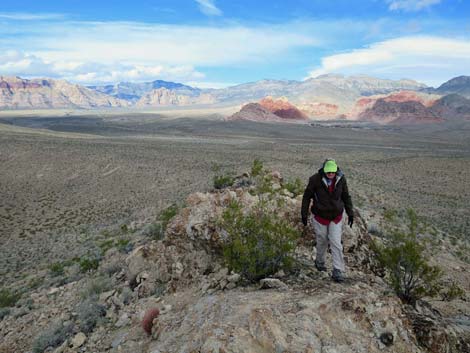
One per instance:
[(98, 52), (411, 5), (425, 58)]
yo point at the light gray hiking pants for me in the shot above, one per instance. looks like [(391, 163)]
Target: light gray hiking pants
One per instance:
[(332, 234)]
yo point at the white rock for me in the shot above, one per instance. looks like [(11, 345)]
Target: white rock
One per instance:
[(268, 283), (78, 340), (124, 320), (165, 309), (53, 291), (234, 278)]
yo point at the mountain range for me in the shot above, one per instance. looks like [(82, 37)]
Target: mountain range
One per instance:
[(324, 97)]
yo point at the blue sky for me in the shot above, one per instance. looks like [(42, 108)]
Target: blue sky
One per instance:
[(215, 43)]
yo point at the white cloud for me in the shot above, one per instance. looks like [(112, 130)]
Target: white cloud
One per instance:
[(208, 8), (168, 44), (425, 58), (410, 5), (26, 65), (111, 51), (209, 84), (26, 16)]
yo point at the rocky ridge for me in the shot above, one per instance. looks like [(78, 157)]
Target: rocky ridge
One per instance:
[(203, 307), (166, 97), (457, 85), (134, 91), (17, 93)]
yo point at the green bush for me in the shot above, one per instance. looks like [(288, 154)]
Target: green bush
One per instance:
[(403, 257), (8, 298), (223, 181), (295, 187), (56, 269), (52, 337), (258, 244), (264, 185), (390, 215), (256, 168), (167, 215), (124, 245), (88, 264)]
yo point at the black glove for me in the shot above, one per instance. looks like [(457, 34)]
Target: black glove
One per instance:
[(350, 221)]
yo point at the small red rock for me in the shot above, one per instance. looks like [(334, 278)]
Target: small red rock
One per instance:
[(147, 321)]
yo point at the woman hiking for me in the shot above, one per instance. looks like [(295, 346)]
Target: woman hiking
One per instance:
[(327, 193)]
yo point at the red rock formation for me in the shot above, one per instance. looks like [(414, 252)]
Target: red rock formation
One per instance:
[(366, 103), (409, 96), (407, 112), (320, 110), (282, 108), (254, 112)]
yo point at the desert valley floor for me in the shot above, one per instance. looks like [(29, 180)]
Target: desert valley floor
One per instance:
[(65, 175)]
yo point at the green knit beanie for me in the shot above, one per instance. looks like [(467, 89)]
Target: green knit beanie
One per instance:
[(330, 167)]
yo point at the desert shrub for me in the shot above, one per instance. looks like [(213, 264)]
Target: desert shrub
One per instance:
[(259, 243), (390, 214), (155, 231), (4, 312), (264, 185), (35, 282), (256, 168), (54, 336), (8, 298), (451, 291), (96, 286), (105, 245), (403, 257), (56, 269), (167, 215), (223, 181), (295, 186), (88, 264), (124, 245), (126, 295), (112, 268), (90, 313)]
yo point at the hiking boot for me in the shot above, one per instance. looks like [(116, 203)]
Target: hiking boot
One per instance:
[(337, 276), (320, 266)]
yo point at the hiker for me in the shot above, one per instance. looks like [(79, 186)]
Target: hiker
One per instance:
[(329, 192)]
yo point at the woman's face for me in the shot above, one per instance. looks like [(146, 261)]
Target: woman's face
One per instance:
[(330, 175)]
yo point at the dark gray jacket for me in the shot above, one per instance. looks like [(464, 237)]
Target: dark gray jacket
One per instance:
[(325, 204)]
